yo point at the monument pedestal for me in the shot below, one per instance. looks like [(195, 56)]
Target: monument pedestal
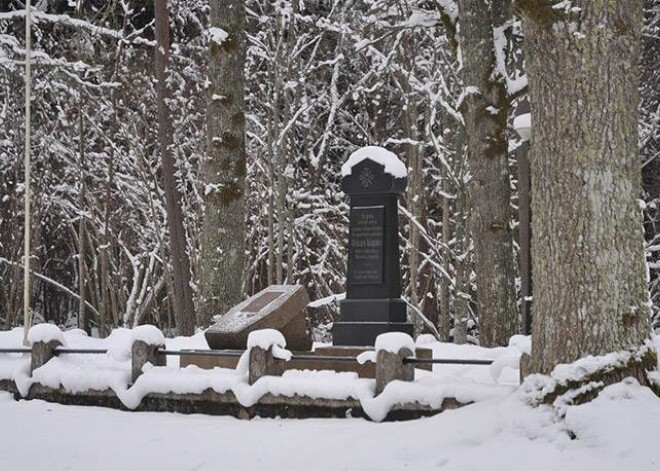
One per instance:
[(362, 320), (365, 333)]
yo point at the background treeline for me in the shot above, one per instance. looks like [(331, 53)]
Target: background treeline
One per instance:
[(323, 78)]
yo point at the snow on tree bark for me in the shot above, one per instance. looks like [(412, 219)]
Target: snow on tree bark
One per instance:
[(485, 109), (591, 295), (225, 165)]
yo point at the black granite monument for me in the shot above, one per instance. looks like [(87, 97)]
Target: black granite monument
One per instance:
[(373, 303)]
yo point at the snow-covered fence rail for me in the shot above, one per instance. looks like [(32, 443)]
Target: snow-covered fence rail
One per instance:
[(80, 351), (16, 350), (59, 351), (134, 371), (262, 362), (445, 361)]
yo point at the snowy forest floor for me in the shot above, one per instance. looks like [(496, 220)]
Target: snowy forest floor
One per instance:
[(617, 431)]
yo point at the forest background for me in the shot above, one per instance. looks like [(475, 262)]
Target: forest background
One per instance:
[(322, 79)]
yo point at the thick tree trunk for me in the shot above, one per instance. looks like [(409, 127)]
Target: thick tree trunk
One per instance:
[(224, 219), (485, 111), (183, 301), (591, 296)]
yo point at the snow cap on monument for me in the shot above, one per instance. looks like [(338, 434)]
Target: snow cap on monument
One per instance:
[(387, 159), (373, 170)]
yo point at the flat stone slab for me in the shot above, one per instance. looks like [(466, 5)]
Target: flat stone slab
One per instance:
[(279, 307)]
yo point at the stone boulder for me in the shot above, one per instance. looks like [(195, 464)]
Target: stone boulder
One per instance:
[(280, 307)]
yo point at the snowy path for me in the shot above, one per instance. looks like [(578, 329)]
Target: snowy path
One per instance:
[(618, 431)]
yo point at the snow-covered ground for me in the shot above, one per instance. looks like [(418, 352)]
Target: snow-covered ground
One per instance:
[(620, 430)]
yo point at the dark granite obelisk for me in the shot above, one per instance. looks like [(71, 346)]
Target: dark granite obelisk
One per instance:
[(373, 303)]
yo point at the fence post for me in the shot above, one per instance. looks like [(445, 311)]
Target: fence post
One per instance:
[(390, 367), (263, 363), (42, 352), (143, 353)]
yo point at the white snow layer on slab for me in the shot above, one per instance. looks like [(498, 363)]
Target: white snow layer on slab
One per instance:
[(364, 357), (389, 160), (267, 338), (45, 333), (76, 376), (393, 342)]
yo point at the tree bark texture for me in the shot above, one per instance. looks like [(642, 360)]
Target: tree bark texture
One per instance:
[(182, 299), (83, 322), (462, 288), (225, 167), (444, 317), (590, 291), (485, 111)]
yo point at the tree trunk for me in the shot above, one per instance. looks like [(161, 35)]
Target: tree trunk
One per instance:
[(183, 301), (462, 288), (83, 322), (270, 275), (591, 296), (485, 111), (225, 167), (444, 317)]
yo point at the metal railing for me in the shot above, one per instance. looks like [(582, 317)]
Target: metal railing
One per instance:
[(59, 351), (79, 351), (16, 350), (237, 354), (442, 361), (328, 358)]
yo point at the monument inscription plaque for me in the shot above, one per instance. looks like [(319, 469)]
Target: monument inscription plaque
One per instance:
[(365, 251), (262, 300)]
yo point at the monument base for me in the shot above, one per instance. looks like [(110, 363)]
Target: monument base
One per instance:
[(365, 333), (392, 310)]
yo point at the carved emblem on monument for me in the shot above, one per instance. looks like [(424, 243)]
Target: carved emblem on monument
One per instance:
[(366, 177)]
